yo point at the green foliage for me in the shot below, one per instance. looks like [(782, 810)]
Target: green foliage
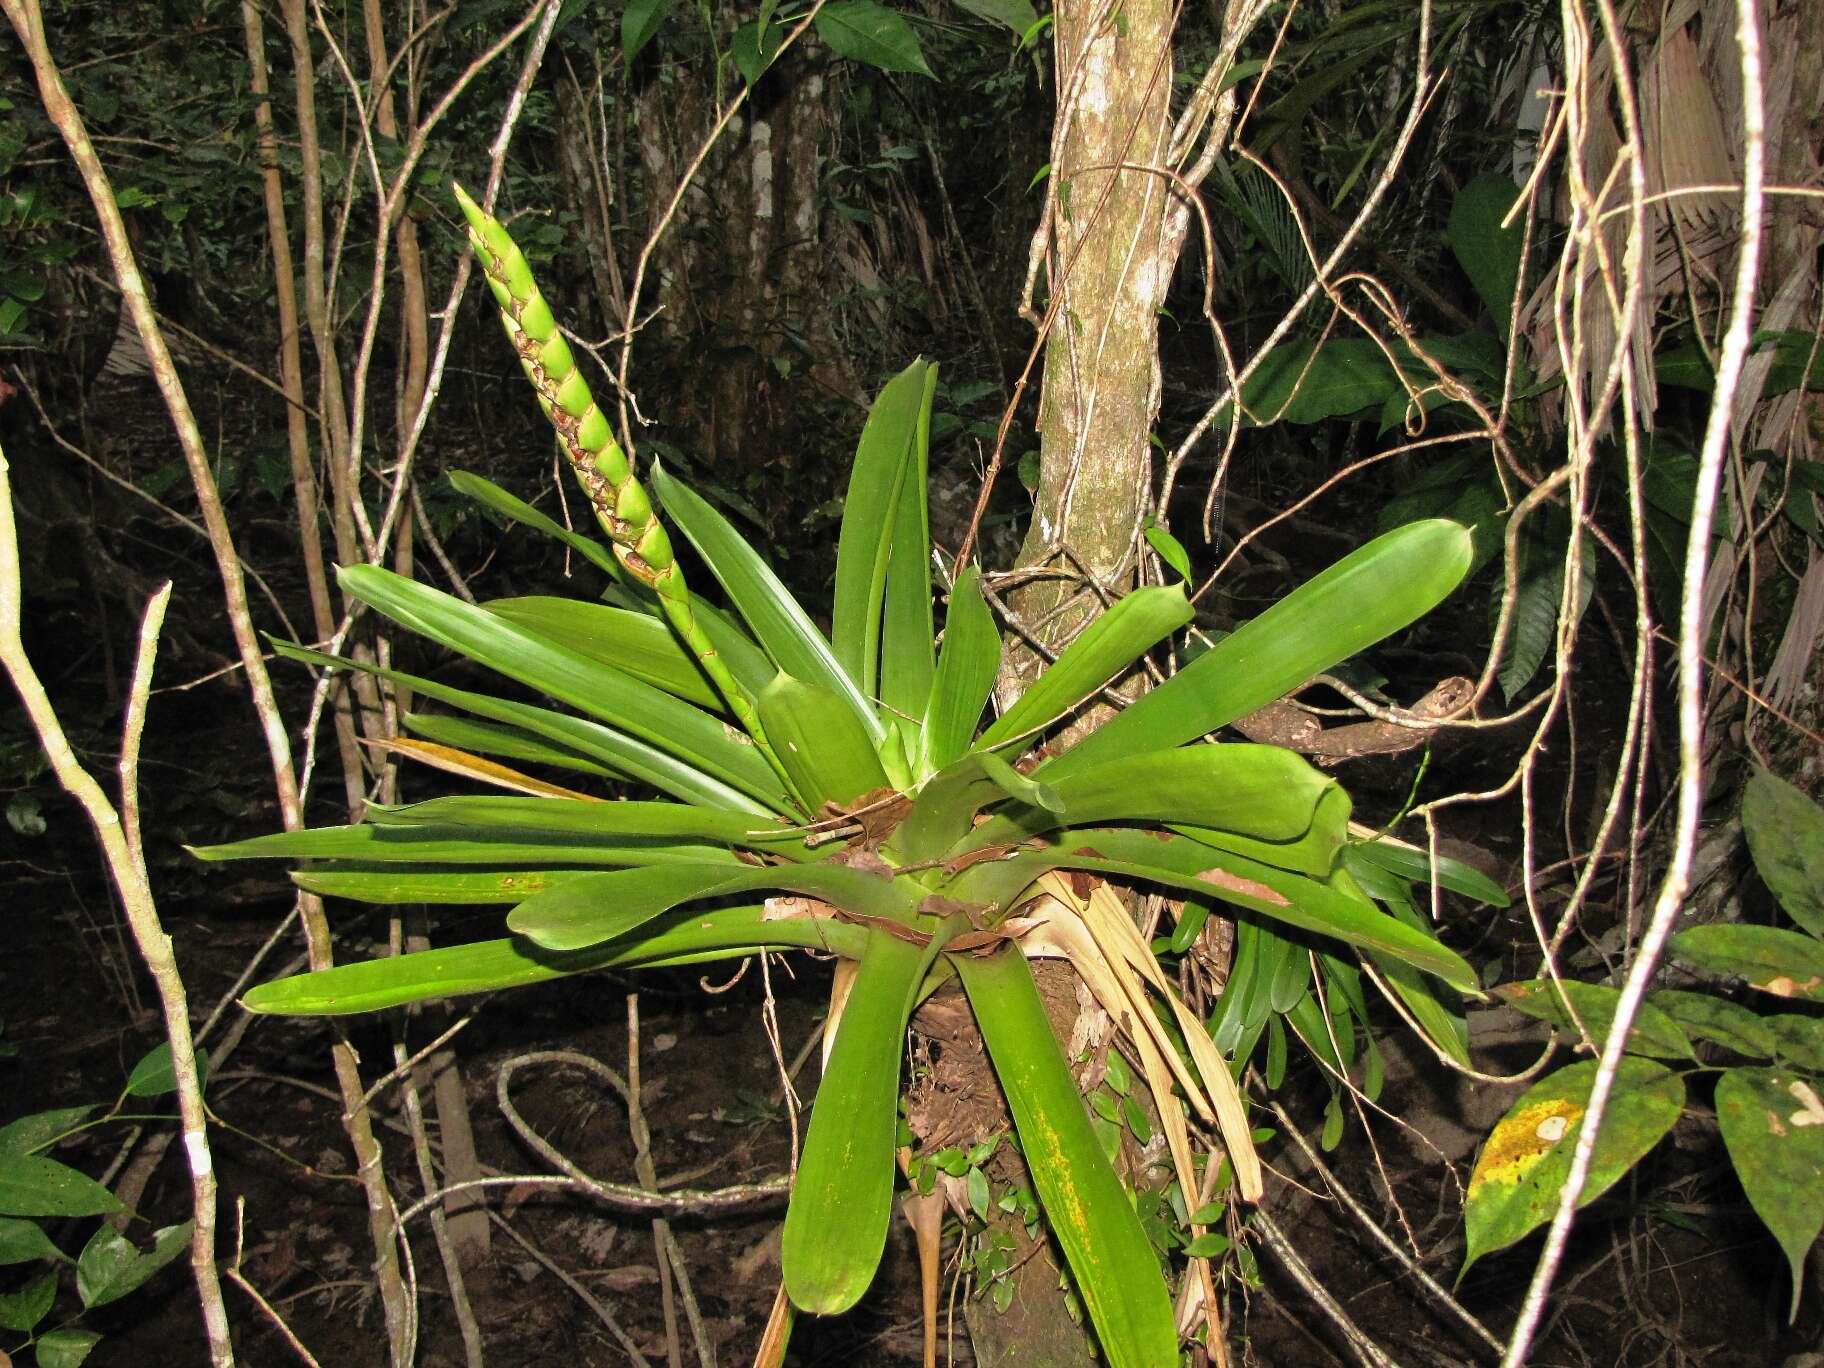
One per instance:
[(35, 1187), (855, 777), (1771, 1117)]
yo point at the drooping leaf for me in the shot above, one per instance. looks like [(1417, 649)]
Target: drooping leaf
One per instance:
[(781, 627), (1568, 1004), (23, 1309), (1717, 1020), (1435, 1008), (1369, 594), (604, 692), (1313, 851), (754, 46), (1090, 1213), (684, 937), (1777, 961), (489, 738), (842, 1198), (825, 750), (1772, 1122), (1488, 252), (1247, 998), (38, 1129), (1414, 865), (1785, 831), (67, 1347), (1017, 15), (873, 34), (1518, 1176), (625, 755), (599, 907), (111, 1265), (1134, 625), (31, 1185), (966, 668)]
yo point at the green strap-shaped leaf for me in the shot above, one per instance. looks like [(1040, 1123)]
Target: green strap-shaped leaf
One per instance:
[(1128, 630), (1090, 1213), (1772, 1121), (826, 753), (842, 1198), (1180, 863), (491, 495), (623, 754), (684, 937), (1313, 852), (1263, 791), (781, 627), (908, 660), (966, 668), (374, 845), (489, 738), (1247, 998), (451, 887), (1371, 593), (1414, 865), (572, 816), (593, 686), (1515, 1185), (887, 472), (1438, 1010), (944, 810), (626, 641), (597, 907)]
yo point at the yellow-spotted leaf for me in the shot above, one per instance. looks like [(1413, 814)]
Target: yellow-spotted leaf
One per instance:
[(1522, 1167), (1772, 1121)]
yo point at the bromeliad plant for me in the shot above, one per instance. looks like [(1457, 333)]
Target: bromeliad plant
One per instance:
[(848, 774)]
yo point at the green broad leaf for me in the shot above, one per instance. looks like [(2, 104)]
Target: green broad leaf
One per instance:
[(490, 495), (1717, 1020), (1798, 1040), (684, 937), (966, 668), (625, 755), (604, 692), (1521, 1170), (488, 738), (1310, 382), (1488, 252), (1018, 15), (1266, 792), (1785, 831), (1179, 863), (1413, 864), (155, 1075), (1314, 852), (1369, 594), (640, 24), (65, 1348), (111, 1265), (598, 907), (1133, 626), (1784, 963), (1568, 1003), (826, 752), (873, 34), (887, 478), (23, 1309), (1170, 550), (35, 1131), (842, 1196), (448, 887), (1534, 633), (31, 1185), (1090, 1213), (627, 641), (754, 46), (26, 1242), (944, 810), (1247, 998), (778, 623), (1772, 1122)]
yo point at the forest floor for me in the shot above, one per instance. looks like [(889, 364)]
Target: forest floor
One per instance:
[(1669, 1268)]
